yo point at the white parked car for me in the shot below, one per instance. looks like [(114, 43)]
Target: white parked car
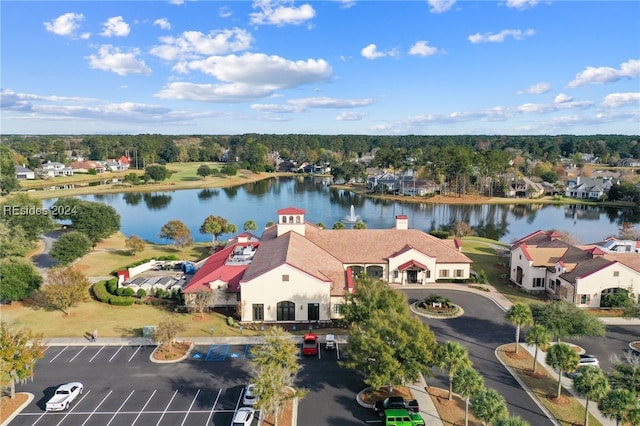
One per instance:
[(243, 417), (249, 397), (586, 359), (64, 396)]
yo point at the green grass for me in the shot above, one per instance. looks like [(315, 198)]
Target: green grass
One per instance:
[(543, 385), (485, 258)]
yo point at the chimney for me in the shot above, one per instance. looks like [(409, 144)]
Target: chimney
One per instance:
[(402, 222)]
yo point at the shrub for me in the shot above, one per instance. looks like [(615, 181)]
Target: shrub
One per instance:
[(122, 301), (100, 292), (112, 286), (230, 322), (443, 235), (141, 293), (120, 291), (128, 292)]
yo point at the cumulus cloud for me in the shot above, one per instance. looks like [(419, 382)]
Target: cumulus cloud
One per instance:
[(280, 13), (351, 116), (600, 75), (521, 4), (439, 6), (224, 12), (64, 25), (616, 100), (501, 36), (372, 52), (115, 27), (112, 59), (162, 23), (536, 89), (562, 98), (192, 44), (248, 76), (422, 48)]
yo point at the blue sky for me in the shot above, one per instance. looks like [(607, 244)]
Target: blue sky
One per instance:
[(437, 67)]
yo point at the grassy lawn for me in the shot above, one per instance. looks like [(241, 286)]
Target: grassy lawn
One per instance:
[(567, 410), (485, 258), (111, 254)]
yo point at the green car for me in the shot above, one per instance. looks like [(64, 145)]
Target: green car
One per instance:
[(402, 417)]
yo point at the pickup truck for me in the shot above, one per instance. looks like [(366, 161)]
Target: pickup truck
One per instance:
[(395, 402), (310, 344), (64, 396)]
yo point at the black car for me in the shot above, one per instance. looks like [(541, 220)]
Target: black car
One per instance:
[(395, 402)]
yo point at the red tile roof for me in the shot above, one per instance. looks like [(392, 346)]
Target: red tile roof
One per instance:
[(411, 263)]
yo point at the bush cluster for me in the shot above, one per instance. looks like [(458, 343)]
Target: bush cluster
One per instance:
[(102, 293)]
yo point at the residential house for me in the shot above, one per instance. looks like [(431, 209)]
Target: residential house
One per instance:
[(118, 165), (589, 188), (384, 180), (583, 275), (525, 188), (85, 166), (297, 271), (628, 162), (23, 173), (54, 169), (287, 166)]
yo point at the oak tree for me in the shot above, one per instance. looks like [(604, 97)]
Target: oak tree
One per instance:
[(19, 351), (64, 289), (177, 231)]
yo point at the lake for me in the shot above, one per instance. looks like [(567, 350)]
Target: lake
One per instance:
[(144, 214)]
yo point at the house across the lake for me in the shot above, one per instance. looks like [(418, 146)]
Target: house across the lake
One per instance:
[(581, 274), (297, 271)]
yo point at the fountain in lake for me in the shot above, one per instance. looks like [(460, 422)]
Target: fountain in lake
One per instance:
[(353, 217)]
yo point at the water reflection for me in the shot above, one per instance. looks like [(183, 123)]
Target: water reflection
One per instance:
[(260, 201), (157, 200)]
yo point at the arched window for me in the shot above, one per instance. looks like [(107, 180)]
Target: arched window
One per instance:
[(374, 271), (297, 219), (290, 219), (286, 311), (284, 219)]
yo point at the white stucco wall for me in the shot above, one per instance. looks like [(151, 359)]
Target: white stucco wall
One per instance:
[(396, 261), (613, 276), (269, 289), (452, 267)]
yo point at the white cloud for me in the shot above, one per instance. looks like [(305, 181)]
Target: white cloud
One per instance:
[(501, 36), (351, 116), (64, 25), (521, 4), (162, 23), (194, 43), (249, 76), (346, 4), (372, 52), (280, 13), (224, 12), (110, 58), (593, 75), (536, 89), (422, 48), (115, 27), (439, 6), (615, 100), (304, 104), (562, 98)]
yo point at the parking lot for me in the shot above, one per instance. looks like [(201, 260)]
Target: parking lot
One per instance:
[(122, 386)]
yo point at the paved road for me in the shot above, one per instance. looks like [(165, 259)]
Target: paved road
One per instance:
[(43, 260), (481, 329)]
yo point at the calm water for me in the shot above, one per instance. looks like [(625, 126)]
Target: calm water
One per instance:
[(143, 214)]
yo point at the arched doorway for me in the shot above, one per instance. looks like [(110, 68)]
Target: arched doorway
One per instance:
[(614, 297), (286, 311)]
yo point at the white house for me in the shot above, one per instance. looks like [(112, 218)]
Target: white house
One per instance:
[(583, 275), (297, 271), (54, 168), (23, 172), (589, 188)]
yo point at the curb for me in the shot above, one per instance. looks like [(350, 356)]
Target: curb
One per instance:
[(360, 401), (524, 386), (18, 410), (416, 311), (169, 361)]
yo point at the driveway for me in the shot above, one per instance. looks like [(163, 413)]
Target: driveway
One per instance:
[(43, 260), (481, 330)]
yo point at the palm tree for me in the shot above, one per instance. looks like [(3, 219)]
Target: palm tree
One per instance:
[(451, 356), (250, 225), (620, 405), (512, 421), (520, 315), (592, 384), (489, 406), (467, 382), (537, 336), (564, 358)]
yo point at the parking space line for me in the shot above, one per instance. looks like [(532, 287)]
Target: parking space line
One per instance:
[(217, 353), (145, 406), (79, 352), (73, 408), (39, 418), (246, 349), (63, 349), (114, 355), (337, 351), (96, 409), (190, 407), (99, 350), (120, 408), (213, 407), (167, 407), (134, 354)]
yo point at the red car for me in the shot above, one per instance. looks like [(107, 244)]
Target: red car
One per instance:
[(310, 344)]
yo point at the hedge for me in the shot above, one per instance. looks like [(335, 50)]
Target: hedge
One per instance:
[(101, 293)]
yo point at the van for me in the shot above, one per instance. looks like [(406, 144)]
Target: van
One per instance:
[(402, 417)]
